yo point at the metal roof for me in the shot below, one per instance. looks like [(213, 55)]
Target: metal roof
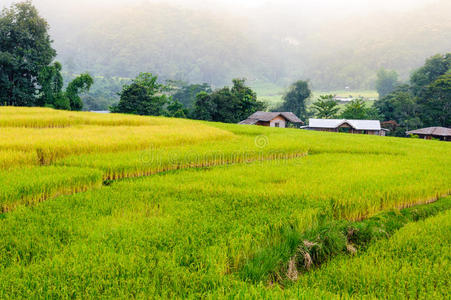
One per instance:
[(438, 131), (268, 116), (335, 123)]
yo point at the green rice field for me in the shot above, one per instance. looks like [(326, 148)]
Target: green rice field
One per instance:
[(117, 206)]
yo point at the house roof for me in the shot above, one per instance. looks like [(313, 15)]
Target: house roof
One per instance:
[(268, 116), (438, 131), (356, 124)]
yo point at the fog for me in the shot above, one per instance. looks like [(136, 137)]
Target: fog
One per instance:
[(321, 7), (332, 43)]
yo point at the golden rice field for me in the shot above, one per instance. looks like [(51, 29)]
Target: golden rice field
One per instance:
[(118, 206)]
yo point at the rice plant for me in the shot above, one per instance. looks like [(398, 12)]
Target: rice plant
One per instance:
[(208, 210)]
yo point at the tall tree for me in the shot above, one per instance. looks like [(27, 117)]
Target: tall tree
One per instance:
[(25, 49), (433, 68), (326, 107), (386, 82), (401, 108), (436, 103), (229, 105), (144, 96), (51, 82), (295, 99), (425, 102), (203, 107)]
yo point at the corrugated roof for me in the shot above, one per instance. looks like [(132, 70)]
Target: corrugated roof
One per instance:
[(438, 131), (356, 124), (268, 116)]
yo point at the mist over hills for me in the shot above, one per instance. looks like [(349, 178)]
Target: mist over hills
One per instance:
[(264, 45)]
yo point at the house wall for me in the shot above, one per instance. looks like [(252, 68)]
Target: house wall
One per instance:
[(279, 119)]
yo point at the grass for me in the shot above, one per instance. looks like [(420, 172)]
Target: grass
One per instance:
[(272, 94), (210, 210), (366, 94), (32, 185), (414, 263)]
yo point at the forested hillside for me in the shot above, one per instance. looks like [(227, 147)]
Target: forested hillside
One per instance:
[(216, 46)]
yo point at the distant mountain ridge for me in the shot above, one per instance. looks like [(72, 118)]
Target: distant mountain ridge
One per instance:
[(196, 46)]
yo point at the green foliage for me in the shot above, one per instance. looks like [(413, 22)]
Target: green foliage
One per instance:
[(326, 107), (219, 217), (426, 102), (386, 82), (295, 99), (51, 82), (176, 109), (79, 85), (436, 103), (178, 42), (357, 110), (228, 105), (401, 107), (433, 68), (186, 93), (144, 96), (25, 55), (413, 263), (103, 93)]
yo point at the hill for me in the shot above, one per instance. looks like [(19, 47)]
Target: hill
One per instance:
[(214, 46)]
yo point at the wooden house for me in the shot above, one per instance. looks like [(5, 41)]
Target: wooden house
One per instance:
[(441, 133), (272, 119)]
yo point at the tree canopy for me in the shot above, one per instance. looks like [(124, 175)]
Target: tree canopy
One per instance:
[(358, 110), (326, 107), (186, 93), (295, 99), (25, 51), (386, 82), (425, 102), (144, 96), (27, 75), (229, 105)]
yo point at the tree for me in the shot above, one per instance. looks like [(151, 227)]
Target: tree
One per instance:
[(436, 104), (386, 82), (357, 110), (294, 100), (400, 108), (433, 68), (25, 50), (229, 105), (186, 93), (144, 96), (203, 107), (176, 109), (51, 82), (80, 84), (326, 107)]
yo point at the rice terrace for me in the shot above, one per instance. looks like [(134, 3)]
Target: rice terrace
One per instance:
[(124, 206), (225, 149)]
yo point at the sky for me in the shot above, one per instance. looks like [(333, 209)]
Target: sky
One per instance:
[(328, 6)]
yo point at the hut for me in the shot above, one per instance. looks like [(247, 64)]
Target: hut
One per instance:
[(441, 133), (272, 119), (372, 127)]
